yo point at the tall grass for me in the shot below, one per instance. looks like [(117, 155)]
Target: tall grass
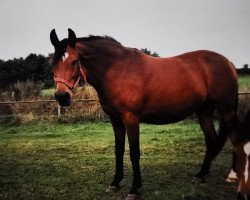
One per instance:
[(27, 90)]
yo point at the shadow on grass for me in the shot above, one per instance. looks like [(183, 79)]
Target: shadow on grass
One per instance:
[(173, 181), (10, 120), (81, 177)]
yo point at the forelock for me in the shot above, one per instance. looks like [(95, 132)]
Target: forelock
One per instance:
[(59, 52)]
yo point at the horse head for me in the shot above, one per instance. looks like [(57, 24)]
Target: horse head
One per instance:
[(241, 148), (66, 67)]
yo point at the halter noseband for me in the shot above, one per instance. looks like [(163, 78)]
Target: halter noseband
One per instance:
[(82, 74), (72, 86)]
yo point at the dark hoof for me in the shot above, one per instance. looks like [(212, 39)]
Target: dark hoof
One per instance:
[(112, 189), (198, 180), (133, 197)]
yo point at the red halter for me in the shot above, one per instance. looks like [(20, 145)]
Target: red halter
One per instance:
[(72, 86), (82, 74)]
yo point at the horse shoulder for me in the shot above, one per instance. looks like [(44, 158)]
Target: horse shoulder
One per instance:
[(124, 85)]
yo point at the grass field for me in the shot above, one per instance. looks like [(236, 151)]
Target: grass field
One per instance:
[(76, 161), (56, 161), (244, 83)]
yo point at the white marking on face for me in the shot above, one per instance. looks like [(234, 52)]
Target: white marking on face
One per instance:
[(65, 56), (247, 152)]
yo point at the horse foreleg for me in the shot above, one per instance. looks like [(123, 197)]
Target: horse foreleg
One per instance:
[(132, 128), (119, 132)]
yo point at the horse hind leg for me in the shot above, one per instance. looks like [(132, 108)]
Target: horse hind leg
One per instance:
[(232, 176), (214, 142), (228, 115)]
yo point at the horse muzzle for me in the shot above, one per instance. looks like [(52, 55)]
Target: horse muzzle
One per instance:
[(63, 98)]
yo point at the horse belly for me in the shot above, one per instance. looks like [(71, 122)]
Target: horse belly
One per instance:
[(164, 117), (170, 112)]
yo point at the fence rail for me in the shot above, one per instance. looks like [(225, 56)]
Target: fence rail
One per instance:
[(37, 101), (75, 100), (51, 107), (78, 107), (243, 93)]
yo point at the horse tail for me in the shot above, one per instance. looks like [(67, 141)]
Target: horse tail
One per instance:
[(236, 99), (228, 122), (236, 89)]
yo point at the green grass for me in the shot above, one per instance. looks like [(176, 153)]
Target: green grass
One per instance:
[(244, 83), (55, 161), (48, 92)]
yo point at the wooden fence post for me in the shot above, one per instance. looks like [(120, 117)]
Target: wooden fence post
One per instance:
[(58, 110)]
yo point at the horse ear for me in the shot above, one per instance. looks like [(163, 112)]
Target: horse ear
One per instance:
[(71, 38), (53, 38)]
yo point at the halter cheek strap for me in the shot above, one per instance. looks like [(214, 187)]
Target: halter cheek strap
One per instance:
[(71, 86), (82, 74)]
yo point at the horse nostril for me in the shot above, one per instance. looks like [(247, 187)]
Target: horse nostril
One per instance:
[(63, 98), (61, 95)]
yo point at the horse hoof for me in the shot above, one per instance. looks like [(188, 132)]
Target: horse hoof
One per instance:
[(232, 177), (197, 180), (133, 197), (112, 189), (231, 180)]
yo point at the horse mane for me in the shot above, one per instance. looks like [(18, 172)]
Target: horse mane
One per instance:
[(99, 38), (59, 52)]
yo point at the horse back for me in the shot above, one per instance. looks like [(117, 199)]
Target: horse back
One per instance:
[(205, 72), (162, 90)]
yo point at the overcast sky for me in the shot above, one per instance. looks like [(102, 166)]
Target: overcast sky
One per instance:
[(169, 27)]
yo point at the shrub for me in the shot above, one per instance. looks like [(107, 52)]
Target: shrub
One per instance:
[(27, 90)]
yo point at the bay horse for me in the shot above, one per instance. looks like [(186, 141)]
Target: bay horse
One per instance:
[(134, 87), (241, 149)]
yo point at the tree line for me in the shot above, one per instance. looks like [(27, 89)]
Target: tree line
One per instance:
[(34, 68), (38, 69)]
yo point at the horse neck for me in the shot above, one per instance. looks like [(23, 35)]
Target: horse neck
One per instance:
[(97, 60)]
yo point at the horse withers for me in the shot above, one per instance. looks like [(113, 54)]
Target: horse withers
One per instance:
[(134, 87), (241, 149)]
